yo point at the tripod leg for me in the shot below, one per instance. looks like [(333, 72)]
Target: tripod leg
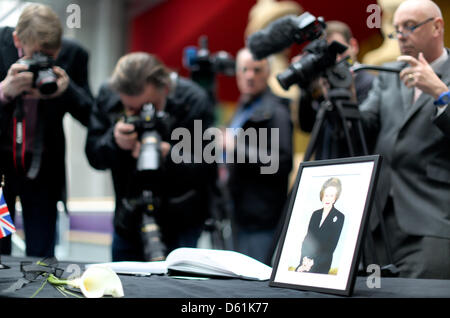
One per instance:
[(363, 138), (320, 117), (348, 138)]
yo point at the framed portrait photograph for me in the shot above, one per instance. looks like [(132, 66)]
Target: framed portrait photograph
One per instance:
[(322, 235)]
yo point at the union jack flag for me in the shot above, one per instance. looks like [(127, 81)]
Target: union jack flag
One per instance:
[(6, 224)]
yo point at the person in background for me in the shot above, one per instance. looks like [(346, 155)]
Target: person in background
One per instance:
[(258, 198), (32, 142)]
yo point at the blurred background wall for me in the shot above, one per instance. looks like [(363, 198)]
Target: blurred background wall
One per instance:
[(111, 28)]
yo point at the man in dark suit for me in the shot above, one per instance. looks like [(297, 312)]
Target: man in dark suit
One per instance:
[(258, 197), (324, 231), (409, 116), (31, 122)]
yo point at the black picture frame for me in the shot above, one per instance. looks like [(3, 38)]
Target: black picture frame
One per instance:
[(305, 233)]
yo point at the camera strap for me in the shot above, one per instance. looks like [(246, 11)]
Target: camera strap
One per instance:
[(20, 140), (19, 136), (38, 145)]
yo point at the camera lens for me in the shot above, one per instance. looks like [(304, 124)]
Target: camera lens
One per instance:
[(149, 157), (46, 82), (286, 78), (301, 72)]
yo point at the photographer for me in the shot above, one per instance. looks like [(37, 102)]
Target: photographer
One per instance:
[(179, 190), (331, 142), (35, 93)]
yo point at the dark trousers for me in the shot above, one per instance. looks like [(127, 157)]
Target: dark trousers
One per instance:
[(39, 212), (415, 256), (257, 244), (130, 248)]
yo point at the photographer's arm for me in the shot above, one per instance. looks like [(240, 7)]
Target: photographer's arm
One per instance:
[(102, 150), (77, 95)]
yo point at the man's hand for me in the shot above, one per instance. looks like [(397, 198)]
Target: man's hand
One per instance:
[(62, 80), (17, 81), (164, 148), (125, 136), (420, 74)]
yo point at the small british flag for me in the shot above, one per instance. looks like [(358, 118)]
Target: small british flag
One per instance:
[(6, 224)]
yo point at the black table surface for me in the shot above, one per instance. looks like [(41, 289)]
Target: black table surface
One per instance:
[(164, 286)]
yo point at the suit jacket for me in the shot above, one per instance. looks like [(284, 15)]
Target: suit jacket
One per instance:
[(259, 198), (321, 241), (415, 145), (76, 100)]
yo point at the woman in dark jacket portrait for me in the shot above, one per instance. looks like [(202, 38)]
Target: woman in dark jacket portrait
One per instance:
[(324, 230)]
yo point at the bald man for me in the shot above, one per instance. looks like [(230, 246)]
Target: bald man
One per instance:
[(409, 116)]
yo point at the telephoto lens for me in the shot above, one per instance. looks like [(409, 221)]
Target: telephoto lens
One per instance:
[(154, 248)]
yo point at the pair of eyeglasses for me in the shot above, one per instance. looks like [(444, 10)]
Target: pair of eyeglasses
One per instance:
[(408, 30)]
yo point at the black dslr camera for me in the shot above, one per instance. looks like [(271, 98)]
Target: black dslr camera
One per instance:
[(201, 61), (321, 57), (321, 60), (204, 66), (152, 127), (44, 78)]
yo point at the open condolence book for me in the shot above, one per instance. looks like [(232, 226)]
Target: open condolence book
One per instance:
[(204, 262)]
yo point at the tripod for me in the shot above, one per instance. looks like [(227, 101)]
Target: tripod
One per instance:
[(144, 208), (339, 109), (219, 224)]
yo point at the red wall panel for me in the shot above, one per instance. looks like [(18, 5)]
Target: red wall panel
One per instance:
[(167, 28)]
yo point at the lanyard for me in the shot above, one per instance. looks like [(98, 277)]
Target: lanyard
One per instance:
[(19, 136)]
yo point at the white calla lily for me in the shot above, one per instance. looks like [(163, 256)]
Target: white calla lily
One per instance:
[(96, 281)]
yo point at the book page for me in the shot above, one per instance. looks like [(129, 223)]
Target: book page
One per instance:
[(136, 268), (220, 262)]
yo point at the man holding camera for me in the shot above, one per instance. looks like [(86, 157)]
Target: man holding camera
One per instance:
[(177, 192), (331, 142), (409, 114), (35, 93)]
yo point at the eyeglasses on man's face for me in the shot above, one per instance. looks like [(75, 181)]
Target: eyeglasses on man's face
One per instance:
[(407, 30)]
